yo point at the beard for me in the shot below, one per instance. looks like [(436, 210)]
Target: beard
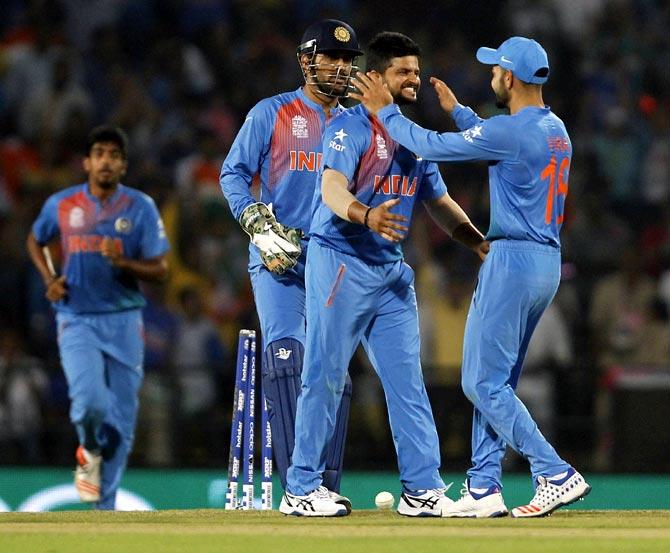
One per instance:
[(502, 97), (501, 103), (401, 100)]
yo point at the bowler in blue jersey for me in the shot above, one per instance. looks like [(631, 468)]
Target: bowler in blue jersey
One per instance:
[(111, 236), (360, 290), (529, 153)]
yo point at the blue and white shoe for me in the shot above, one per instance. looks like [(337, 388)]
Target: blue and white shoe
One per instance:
[(423, 503), (318, 503), (477, 503), (554, 492)]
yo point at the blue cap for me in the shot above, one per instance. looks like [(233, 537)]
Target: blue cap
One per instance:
[(524, 57)]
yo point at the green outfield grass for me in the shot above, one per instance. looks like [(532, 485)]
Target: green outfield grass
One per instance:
[(196, 531)]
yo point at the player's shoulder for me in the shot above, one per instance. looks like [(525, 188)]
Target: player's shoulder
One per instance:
[(355, 117), (274, 103), (67, 192), (136, 195)]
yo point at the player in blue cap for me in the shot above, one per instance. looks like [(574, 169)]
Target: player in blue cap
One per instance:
[(111, 236), (280, 143), (529, 152), (360, 290)]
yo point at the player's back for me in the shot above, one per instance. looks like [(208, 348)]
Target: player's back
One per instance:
[(529, 188)]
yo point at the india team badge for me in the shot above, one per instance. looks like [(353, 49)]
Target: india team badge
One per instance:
[(342, 34), (123, 225)]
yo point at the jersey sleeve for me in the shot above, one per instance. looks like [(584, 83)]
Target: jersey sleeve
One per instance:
[(465, 117), (345, 141), (432, 185), (245, 157), (489, 139), (153, 242), (45, 226)]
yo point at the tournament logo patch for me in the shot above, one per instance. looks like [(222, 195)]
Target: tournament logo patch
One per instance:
[(299, 127), (382, 152), (123, 225), (76, 218), (342, 34)]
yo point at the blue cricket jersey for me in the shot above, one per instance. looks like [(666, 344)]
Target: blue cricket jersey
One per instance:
[(280, 141), (378, 169), (529, 154), (129, 217)]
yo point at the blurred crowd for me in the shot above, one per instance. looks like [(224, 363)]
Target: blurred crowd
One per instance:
[(179, 77)]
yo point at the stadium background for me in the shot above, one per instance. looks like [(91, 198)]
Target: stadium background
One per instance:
[(179, 77)]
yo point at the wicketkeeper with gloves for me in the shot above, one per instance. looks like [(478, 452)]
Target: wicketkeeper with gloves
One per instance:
[(280, 141)]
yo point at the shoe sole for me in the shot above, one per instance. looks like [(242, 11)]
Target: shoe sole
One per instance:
[(422, 514), (586, 492), (497, 514), (302, 514)]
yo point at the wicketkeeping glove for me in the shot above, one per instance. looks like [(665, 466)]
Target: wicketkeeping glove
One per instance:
[(279, 245)]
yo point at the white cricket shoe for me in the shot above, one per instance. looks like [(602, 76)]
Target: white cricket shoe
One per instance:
[(317, 503), (341, 500), (87, 475), (477, 503), (554, 492), (423, 503)]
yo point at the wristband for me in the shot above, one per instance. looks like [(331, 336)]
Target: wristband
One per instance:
[(365, 217)]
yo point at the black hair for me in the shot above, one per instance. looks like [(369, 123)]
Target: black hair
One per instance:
[(108, 133), (388, 45)]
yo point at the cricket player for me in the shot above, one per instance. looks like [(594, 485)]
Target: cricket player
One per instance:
[(359, 289), (280, 141), (111, 236), (529, 153)]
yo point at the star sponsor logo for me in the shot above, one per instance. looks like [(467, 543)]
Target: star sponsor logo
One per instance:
[(506, 60), (472, 133), (339, 135)]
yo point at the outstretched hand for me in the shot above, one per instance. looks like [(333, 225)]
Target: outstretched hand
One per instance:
[(447, 98), (385, 223), (374, 94)]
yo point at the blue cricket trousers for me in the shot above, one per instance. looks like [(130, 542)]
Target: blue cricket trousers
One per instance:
[(517, 282)]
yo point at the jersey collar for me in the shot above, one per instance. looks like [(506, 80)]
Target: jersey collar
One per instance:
[(317, 107), (110, 200)]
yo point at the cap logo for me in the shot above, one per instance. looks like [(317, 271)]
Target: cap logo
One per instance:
[(342, 34)]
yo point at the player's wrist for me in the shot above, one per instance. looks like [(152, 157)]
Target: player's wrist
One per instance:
[(468, 235), (366, 216), (358, 213)]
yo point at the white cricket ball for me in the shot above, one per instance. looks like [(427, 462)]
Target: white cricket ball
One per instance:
[(384, 501)]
